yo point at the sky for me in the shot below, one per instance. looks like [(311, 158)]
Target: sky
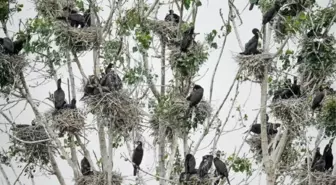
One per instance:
[(249, 94)]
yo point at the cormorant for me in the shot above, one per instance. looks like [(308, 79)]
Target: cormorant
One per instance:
[(195, 96), (221, 169), (255, 2), (86, 167), (189, 165), (252, 45), (172, 17), (319, 165), (73, 17), (72, 105), (205, 165), (111, 79), (296, 88), (18, 44), (287, 91), (271, 128), (87, 17), (137, 157), (268, 16), (317, 156), (329, 158), (59, 96), (7, 45), (318, 98), (188, 37)]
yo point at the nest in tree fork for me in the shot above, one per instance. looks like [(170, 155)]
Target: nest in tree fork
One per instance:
[(68, 120), (293, 112), (117, 108), (252, 66), (36, 151), (165, 30), (99, 178), (195, 180), (10, 66), (79, 39), (52, 8), (255, 145)]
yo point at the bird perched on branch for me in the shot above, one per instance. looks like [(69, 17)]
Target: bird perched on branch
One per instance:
[(6, 46), (19, 43), (172, 17), (187, 39), (252, 45), (271, 127), (269, 15), (252, 3), (73, 17), (111, 79), (329, 158), (319, 96), (221, 169), (86, 167), (59, 96), (189, 166), (137, 157), (194, 98), (205, 166)]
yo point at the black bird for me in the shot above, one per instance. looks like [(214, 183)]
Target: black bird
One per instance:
[(317, 156), (87, 17), (73, 17), (318, 98), (86, 167), (287, 91), (189, 165), (7, 45), (253, 3), (268, 16), (59, 96), (172, 17), (18, 44), (111, 79), (221, 169), (252, 45), (319, 165), (188, 37), (205, 165), (195, 96), (296, 88), (329, 158), (72, 105), (137, 157), (271, 128)]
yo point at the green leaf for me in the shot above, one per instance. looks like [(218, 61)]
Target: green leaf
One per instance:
[(289, 52), (187, 4), (198, 3)]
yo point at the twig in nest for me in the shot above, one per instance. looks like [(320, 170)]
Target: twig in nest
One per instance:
[(99, 178)]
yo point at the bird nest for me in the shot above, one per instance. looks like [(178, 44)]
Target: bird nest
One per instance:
[(98, 178), (10, 66), (51, 8), (326, 118), (292, 112), (80, 39), (252, 66), (174, 116), (318, 178), (68, 120), (34, 152), (117, 108), (195, 180), (255, 146), (166, 30)]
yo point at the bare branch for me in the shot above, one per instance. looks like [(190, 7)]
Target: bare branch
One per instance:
[(4, 175), (149, 79)]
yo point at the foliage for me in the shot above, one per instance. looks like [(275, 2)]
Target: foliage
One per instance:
[(6, 9), (327, 117), (133, 75), (239, 164)]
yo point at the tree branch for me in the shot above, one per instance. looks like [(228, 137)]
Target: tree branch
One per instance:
[(4, 175), (149, 78)]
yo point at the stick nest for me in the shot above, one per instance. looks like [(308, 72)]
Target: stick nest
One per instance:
[(80, 39), (319, 178), (117, 107), (99, 178), (68, 120), (255, 146), (51, 8), (166, 30), (173, 114), (195, 180), (10, 66), (252, 66), (37, 152), (293, 112)]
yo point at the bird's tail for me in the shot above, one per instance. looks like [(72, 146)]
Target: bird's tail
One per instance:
[(251, 6), (228, 181), (134, 170)]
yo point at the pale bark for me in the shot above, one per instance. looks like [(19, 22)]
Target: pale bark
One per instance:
[(102, 143), (173, 149), (79, 65), (149, 79), (110, 155), (86, 152), (4, 175), (55, 167)]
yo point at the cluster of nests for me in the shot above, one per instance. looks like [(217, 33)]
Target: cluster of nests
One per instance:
[(174, 115), (98, 178), (33, 152), (106, 99)]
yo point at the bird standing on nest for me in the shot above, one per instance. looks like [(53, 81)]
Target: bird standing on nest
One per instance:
[(296, 88), (6, 46), (252, 45), (187, 39), (189, 166), (137, 157), (205, 166), (221, 169), (172, 17), (111, 79), (59, 96), (86, 167), (19, 43), (318, 98), (269, 15), (252, 3), (73, 17)]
